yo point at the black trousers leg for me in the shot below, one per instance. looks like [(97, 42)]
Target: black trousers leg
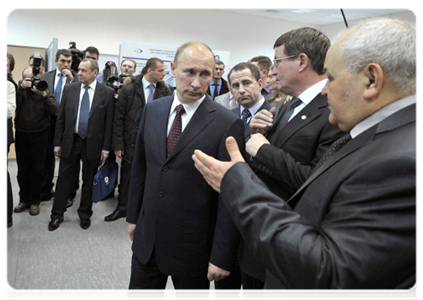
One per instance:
[(125, 175), (232, 282), (9, 193), (146, 276)]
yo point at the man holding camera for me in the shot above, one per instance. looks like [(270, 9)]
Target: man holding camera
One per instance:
[(56, 81), (33, 109)]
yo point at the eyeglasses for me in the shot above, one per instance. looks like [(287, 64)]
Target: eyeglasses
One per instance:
[(276, 61)]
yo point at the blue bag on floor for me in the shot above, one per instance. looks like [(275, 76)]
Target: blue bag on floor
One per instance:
[(105, 180)]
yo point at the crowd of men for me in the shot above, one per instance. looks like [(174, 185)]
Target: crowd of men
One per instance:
[(220, 181)]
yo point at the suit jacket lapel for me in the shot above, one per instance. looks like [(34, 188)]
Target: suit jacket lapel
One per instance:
[(98, 96), (305, 116), (201, 118), (161, 116)]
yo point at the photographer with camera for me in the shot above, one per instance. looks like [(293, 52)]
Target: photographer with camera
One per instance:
[(56, 81), (34, 105)]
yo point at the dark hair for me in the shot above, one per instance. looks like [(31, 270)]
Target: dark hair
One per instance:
[(255, 72), (92, 49), (11, 61), (309, 41), (263, 62), (64, 52)]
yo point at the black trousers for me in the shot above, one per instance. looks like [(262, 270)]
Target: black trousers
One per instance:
[(9, 193), (65, 185), (31, 150), (50, 159), (251, 283), (125, 175), (148, 276), (232, 282)]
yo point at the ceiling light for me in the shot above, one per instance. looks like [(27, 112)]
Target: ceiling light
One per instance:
[(303, 11), (335, 16)]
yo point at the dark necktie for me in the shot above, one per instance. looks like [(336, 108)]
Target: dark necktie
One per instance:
[(58, 89), (215, 93), (245, 115), (150, 96), (335, 147), (176, 129), (84, 112), (289, 111)]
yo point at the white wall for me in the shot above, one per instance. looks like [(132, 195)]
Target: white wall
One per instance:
[(243, 36)]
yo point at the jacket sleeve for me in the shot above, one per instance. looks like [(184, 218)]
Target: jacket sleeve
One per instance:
[(227, 237), (138, 173), (119, 120), (50, 103), (366, 239), (109, 121)]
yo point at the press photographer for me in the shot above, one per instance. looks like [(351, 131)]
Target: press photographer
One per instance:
[(34, 105)]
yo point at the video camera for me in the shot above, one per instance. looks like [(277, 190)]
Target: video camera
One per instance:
[(40, 84), (110, 76), (77, 56)]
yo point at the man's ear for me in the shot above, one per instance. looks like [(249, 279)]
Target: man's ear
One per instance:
[(304, 61), (172, 68), (374, 77)]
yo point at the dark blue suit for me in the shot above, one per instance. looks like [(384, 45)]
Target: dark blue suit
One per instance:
[(178, 215)]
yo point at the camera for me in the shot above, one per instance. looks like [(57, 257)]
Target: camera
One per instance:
[(110, 76), (77, 56), (40, 84)]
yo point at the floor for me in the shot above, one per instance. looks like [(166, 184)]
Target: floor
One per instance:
[(69, 263)]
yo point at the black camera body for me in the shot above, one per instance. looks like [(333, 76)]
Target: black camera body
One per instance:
[(110, 76), (40, 84)]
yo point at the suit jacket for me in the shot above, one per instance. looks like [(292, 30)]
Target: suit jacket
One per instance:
[(247, 131), (354, 220), (100, 120), (176, 212), (50, 78), (298, 145), (223, 99), (223, 89)]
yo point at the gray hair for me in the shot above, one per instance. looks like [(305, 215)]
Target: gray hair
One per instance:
[(389, 43)]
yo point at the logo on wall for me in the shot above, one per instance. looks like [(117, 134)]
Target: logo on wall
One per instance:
[(217, 57), (138, 50)]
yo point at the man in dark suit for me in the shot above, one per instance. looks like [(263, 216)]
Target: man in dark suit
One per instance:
[(246, 84), (178, 226), (352, 224), (83, 131), (56, 81), (129, 106), (218, 85), (300, 128)]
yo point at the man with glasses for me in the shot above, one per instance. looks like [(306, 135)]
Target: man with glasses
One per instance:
[(295, 136)]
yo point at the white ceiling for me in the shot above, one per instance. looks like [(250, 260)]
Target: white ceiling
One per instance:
[(319, 17)]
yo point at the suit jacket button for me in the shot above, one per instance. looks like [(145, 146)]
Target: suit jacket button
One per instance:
[(165, 168), (161, 194)]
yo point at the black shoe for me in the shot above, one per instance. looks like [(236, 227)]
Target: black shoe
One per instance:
[(85, 223), (9, 221), (22, 206), (115, 216), (69, 203), (54, 224)]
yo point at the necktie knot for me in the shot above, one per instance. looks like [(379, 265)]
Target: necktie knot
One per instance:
[(180, 110), (245, 115)]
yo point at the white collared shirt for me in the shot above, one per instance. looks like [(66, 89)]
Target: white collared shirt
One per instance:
[(308, 95), (91, 91), (381, 114), (190, 109), (253, 109)]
